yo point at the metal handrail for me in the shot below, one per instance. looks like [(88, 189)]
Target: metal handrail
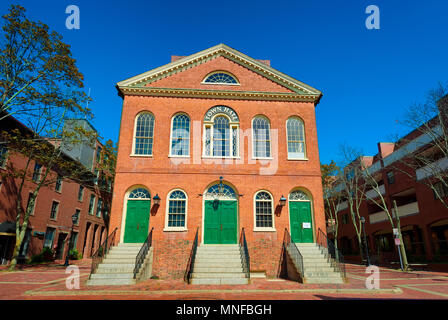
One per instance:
[(294, 252), (244, 254), (333, 255), (190, 265), (142, 253), (102, 250)]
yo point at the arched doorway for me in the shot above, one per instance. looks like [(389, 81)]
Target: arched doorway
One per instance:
[(220, 215), (300, 218), (138, 206)]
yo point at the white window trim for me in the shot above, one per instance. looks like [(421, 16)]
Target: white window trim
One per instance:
[(170, 155), (6, 159), (133, 154), (253, 138), (220, 83), (79, 217), (263, 229), (34, 207), (57, 210), (96, 207), (167, 228), (305, 158), (232, 125)]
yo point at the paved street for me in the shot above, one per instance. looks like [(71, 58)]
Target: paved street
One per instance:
[(49, 282)]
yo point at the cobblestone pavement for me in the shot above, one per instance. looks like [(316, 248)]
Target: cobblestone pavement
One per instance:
[(49, 282)]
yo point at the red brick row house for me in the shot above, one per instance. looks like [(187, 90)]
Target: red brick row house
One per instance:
[(51, 220), (222, 142)]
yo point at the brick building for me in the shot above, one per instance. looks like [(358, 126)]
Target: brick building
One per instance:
[(220, 138), (423, 217), (51, 221)]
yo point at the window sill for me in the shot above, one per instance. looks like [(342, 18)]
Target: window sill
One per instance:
[(221, 84), (174, 156), (141, 155), (175, 229), (262, 158), (211, 157), (298, 159), (264, 230)]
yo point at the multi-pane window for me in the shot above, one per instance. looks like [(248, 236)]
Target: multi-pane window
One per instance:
[(73, 240), (58, 186), (98, 154), (36, 172), (49, 237), (220, 78), (99, 207), (177, 204), (180, 136), (80, 193), (221, 138), (263, 210), (91, 204), (296, 138), (3, 155), (261, 138), (54, 210), (144, 133), (96, 175)]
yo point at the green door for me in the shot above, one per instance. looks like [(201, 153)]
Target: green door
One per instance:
[(137, 221), (220, 222), (300, 219)]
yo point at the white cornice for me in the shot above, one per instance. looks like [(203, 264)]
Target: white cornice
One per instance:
[(215, 94)]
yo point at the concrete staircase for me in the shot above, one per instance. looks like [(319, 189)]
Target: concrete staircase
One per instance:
[(117, 268), (317, 269), (218, 264)]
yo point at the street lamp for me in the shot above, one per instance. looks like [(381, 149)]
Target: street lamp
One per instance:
[(282, 201), (363, 221), (75, 218), (156, 199)]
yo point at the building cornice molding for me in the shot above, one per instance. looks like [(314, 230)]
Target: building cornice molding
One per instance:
[(215, 94), (196, 59)]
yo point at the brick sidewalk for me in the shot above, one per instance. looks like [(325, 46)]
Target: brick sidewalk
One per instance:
[(48, 282)]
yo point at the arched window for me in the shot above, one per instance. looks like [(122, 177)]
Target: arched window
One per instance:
[(261, 137), (139, 194), (263, 210), (296, 138), (144, 133), (180, 135), (221, 125), (298, 196), (220, 78), (177, 209)]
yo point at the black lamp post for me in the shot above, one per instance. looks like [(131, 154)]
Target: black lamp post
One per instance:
[(156, 199), (75, 218), (363, 221)]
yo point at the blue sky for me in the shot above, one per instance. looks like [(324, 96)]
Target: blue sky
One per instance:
[(368, 77)]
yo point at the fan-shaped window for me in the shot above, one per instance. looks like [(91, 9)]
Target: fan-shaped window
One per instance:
[(177, 209), (296, 138), (180, 135), (140, 193), (261, 137), (144, 133), (298, 196), (220, 78), (263, 210), (218, 191)]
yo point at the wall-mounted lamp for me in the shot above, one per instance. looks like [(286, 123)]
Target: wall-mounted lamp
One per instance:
[(282, 201), (156, 199)]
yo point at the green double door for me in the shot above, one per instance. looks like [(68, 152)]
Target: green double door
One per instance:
[(137, 221), (300, 220), (220, 222)]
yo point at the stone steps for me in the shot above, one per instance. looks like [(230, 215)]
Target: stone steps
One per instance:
[(218, 264), (317, 268), (117, 268)]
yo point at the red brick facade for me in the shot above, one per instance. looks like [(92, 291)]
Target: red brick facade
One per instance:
[(160, 173)]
